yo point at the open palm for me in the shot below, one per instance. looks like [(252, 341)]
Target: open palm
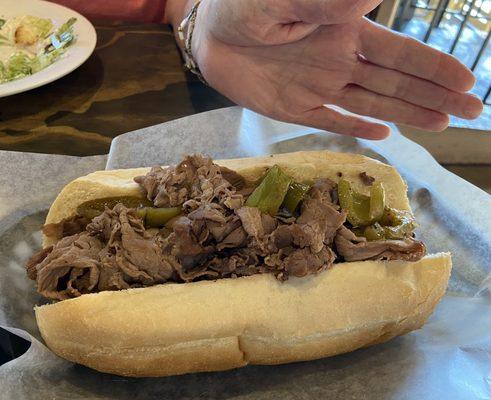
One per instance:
[(291, 59)]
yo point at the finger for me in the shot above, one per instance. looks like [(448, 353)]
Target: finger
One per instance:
[(396, 51), (416, 91), (361, 101), (333, 121), (325, 12)]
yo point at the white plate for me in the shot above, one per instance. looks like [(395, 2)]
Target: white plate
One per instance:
[(75, 55)]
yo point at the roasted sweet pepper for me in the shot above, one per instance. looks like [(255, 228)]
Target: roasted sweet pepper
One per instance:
[(362, 210), (92, 208), (271, 192), (157, 217), (378, 231), (377, 201), (153, 217), (296, 193)]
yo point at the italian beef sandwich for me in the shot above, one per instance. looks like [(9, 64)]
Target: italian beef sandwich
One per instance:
[(208, 266)]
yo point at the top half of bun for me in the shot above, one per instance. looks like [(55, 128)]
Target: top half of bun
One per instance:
[(305, 165)]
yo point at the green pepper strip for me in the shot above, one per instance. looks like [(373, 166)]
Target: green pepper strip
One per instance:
[(373, 232), (393, 217), (378, 232), (92, 208), (356, 204), (377, 201), (152, 217), (296, 193), (362, 210), (158, 217), (269, 195)]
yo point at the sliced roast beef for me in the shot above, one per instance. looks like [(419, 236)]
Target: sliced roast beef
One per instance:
[(243, 262), (115, 252), (299, 262), (137, 250), (193, 181), (71, 258), (184, 244), (354, 248), (322, 219), (32, 263), (235, 239), (216, 219), (269, 223), (66, 227), (251, 221), (215, 237), (233, 177), (317, 224), (303, 262)]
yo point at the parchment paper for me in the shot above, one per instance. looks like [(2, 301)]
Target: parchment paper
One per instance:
[(450, 358)]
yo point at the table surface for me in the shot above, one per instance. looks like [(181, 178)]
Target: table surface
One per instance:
[(134, 79)]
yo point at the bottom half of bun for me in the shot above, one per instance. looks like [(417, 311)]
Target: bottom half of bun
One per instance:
[(217, 325)]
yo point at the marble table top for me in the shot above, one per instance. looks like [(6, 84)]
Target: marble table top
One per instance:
[(133, 79)]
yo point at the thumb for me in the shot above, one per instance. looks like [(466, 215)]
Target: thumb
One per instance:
[(327, 12)]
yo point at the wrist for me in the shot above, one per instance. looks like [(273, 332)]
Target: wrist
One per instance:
[(176, 11), (189, 36)]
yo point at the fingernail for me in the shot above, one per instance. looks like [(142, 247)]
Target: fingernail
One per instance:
[(473, 109)]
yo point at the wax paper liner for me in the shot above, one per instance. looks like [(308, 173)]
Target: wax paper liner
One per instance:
[(450, 358)]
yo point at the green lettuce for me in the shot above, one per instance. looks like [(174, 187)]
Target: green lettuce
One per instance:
[(22, 64), (19, 65)]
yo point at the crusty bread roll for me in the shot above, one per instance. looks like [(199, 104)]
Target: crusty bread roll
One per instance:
[(217, 325)]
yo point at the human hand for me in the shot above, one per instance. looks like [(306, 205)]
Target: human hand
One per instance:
[(287, 58)]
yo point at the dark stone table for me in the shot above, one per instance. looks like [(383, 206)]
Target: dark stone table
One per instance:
[(133, 79)]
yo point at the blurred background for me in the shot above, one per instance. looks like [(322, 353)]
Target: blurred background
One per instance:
[(461, 28), (458, 27)]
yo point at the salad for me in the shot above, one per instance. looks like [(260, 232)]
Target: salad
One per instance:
[(28, 44)]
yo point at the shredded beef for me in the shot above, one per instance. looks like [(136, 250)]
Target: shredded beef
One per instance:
[(296, 248), (318, 222), (252, 222), (66, 227), (35, 260), (234, 178), (70, 269), (187, 244), (354, 248), (138, 252), (115, 252), (215, 237), (235, 239), (303, 262), (322, 219), (193, 181), (243, 262)]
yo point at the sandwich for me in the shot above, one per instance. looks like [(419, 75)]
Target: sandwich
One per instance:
[(209, 266)]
